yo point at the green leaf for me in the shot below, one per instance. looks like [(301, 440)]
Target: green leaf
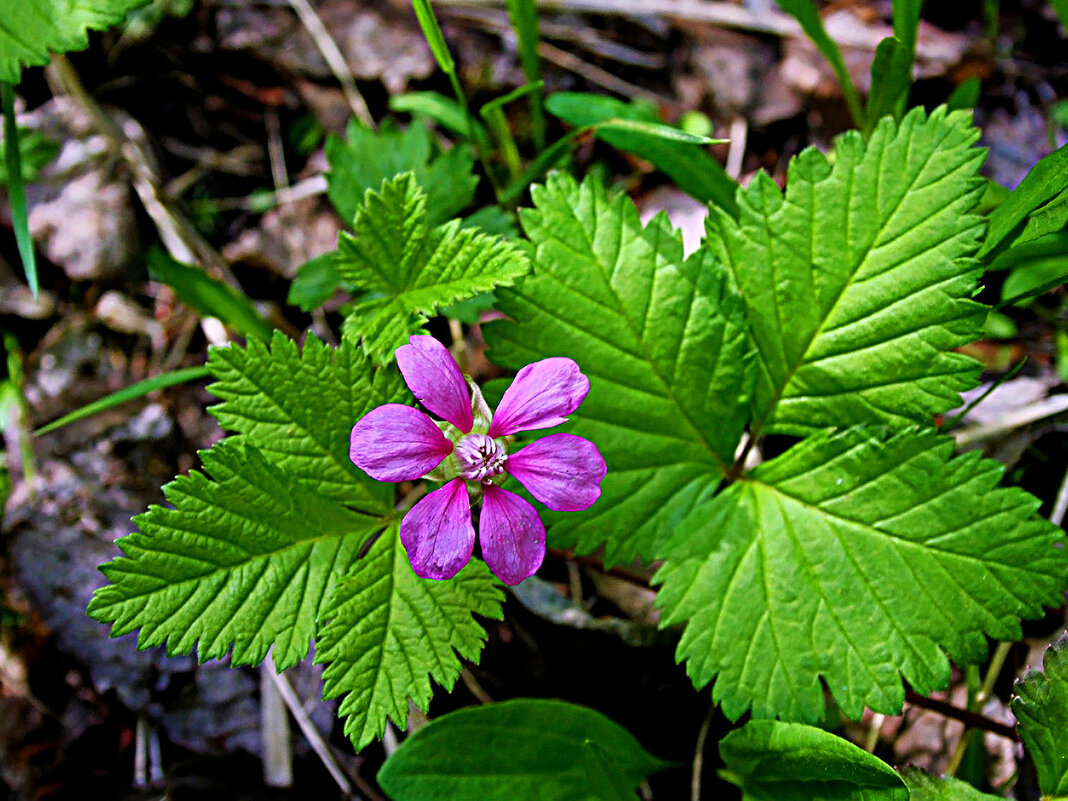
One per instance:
[(298, 408), (315, 283), (1049, 218), (1041, 709), (1033, 278), (412, 269), (209, 296), (773, 761), (16, 187), (854, 557), (806, 13), (858, 282), (691, 168), (663, 341), (1061, 7), (389, 632), (126, 394), (520, 749), (33, 28), (924, 787), (1042, 184), (245, 560), (966, 95), (367, 158)]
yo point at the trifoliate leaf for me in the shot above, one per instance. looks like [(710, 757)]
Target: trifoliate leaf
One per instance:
[(855, 558), (370, 157), (245, 559), (1041, 707), (858, 282), (664, 342), (924, 787), (410, 269), (773, 761), (390, 632), (31, 29), (298, 409), (520, 749)]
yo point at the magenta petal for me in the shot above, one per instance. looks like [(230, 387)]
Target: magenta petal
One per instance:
[(437, 532), (397, 443), (512, 535), (561, 470), (435, 379), (542, 396)]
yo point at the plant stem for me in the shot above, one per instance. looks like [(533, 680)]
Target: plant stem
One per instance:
[(997, 662), (967, 717)]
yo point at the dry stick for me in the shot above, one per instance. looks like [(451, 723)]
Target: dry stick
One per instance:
[(334, 59), (699, 755), (593, 74), (1060, 506), (473, 686), (275, 737), (179, 236), (1017, 418), (735, 156), (309, 729), (973, 719), (725, 14)]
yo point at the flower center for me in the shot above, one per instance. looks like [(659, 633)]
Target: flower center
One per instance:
[(479, 457)]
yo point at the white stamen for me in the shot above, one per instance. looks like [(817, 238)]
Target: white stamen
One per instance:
[(480, 457)]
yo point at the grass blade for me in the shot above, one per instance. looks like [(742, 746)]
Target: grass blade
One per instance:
[(891, 71), (17, 188), (132, 392), (806, 13), (524, 17)]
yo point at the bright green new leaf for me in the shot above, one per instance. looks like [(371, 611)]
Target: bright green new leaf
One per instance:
[(209, 295), (1041, 709), (127, 394), (245, 560), (299, 408), (315, 282), (410, 269), (31, 29), (773, 761), (389, 632), (856, 558), (367, 158), (924, 787), (663, 340), (520, 749), (858, 282)]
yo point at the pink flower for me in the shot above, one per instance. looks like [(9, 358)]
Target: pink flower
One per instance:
[(470, 452)]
